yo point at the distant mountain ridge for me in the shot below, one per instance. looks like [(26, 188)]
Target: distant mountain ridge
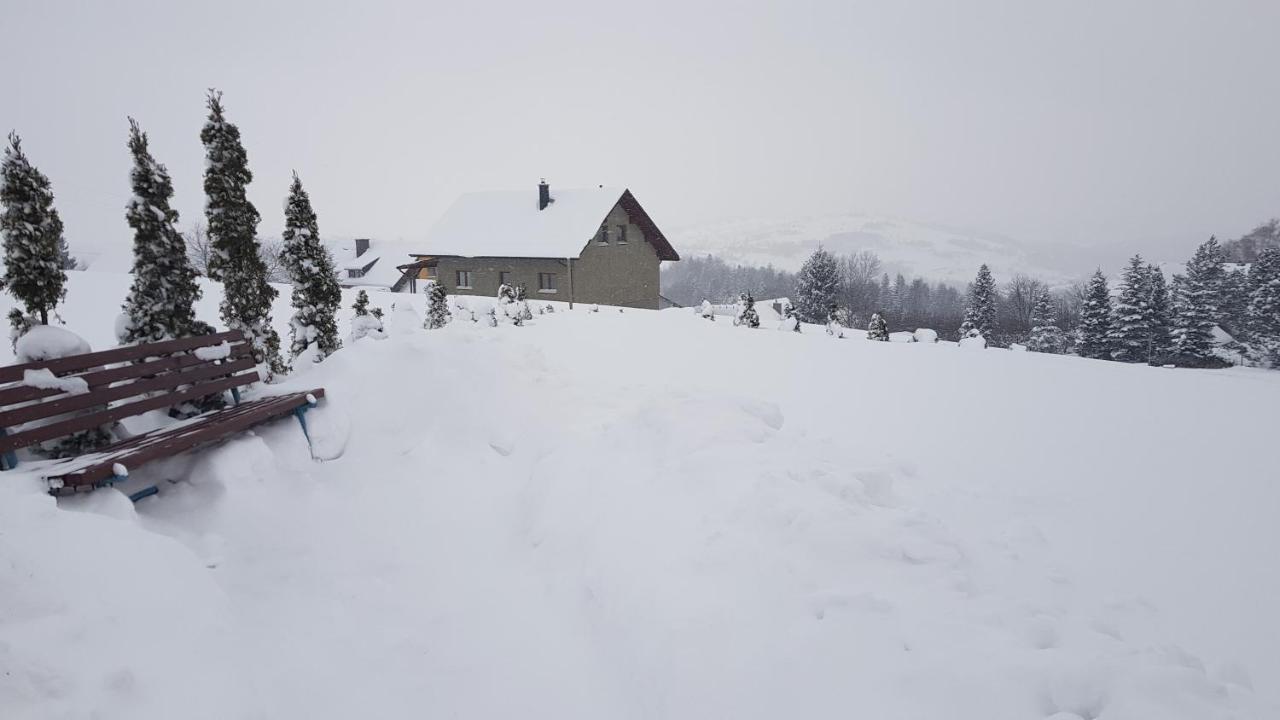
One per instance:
[(913, 248)]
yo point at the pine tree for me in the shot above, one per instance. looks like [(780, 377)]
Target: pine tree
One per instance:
[(32, 235), (233, 227), (878, 329), (1158, 314), (1130, 333), (1264, 307), (316, 295), (161, 301), (1046, 336), (816, 286), (366, 322), (981, 310), (437, 306), (1233, 306), (1095, 319), (746, 311), (1196, 303)]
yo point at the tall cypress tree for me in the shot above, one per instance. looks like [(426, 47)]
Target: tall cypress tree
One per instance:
[(1095, 319), (161, 301), (1130, 332), (316, 295), (1264, 307), (1196, 305), (32, 235), (1158, 314), (816, 286), (981, 311), (233, 227), (1046, 336)]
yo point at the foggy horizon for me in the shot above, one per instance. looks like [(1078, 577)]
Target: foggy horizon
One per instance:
[(1146, 127)]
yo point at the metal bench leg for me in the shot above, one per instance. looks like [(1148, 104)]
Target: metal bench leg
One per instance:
[(300, 412), (144, 493), (9, 460), (235, 395)]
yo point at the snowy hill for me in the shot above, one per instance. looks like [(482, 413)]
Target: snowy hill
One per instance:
[(915, 249), (648, 515)]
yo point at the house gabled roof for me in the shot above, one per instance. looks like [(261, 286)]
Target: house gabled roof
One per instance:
[(509, 224)]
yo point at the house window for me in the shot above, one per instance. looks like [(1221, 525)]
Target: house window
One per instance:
[(547, 281), (622, 234), (504, 277), (355, 273), (464, 279), (603, 236)]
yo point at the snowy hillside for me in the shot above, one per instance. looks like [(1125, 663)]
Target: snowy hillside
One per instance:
[(915, 249), (648, 515)]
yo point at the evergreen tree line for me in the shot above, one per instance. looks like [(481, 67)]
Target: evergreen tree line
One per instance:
[(1156, 322), (161, 300), (695, 279)]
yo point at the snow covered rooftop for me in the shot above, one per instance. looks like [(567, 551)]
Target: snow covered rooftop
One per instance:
[(509, 224)]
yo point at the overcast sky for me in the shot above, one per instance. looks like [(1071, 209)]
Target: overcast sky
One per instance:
[(1139, 124)]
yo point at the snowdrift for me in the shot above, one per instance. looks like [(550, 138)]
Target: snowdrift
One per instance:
[(647, 515)]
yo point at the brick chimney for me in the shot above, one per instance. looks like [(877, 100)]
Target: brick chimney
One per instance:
[(544, 195), (362, 246)]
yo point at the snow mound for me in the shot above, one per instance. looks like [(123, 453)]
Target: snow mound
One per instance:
[(47, 342), (925, 335), (214, 352), (46, 380)]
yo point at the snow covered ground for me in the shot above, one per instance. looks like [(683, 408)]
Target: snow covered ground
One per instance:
[(648, 515)]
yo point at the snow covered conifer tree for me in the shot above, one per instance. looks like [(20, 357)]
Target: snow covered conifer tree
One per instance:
[(233, 228), (1095, 319), (981, 310), (1130, 332), (523, 304), (1158, 314), (32, 235), (1196, 306), (1264, 307), (1046, 336), (437, 306), (747, 314), (836, 318), (316, 295), (161, 301), (878, 329), (816, 286)]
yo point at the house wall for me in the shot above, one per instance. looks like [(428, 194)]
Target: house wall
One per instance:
[(624, 274)]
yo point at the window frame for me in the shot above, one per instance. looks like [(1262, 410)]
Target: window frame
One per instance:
[(504, 277), (457, 278), (547, 283), (602, 237), (622, 234)]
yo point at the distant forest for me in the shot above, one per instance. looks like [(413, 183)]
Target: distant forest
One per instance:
[(905, 302), (909, 302)]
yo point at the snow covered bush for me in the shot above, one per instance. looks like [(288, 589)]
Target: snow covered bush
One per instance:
[(366, 323), (316, 295), (745, 311), (790, 321), (878, 329), (31, 232), (706, 311), (835, 321), (973, 341), (437, 306), (925, 335), (510, 307)]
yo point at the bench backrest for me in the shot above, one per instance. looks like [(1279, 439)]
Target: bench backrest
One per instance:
[(136, 378)]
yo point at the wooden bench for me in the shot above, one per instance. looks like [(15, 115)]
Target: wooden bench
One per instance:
[(126, 382)]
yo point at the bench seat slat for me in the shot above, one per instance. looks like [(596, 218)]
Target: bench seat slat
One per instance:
[(15, 394), (13, 373), (62, 428), (84, 473)]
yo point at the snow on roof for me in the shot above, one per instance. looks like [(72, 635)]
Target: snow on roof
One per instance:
[(509, 223), (358, 263)]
